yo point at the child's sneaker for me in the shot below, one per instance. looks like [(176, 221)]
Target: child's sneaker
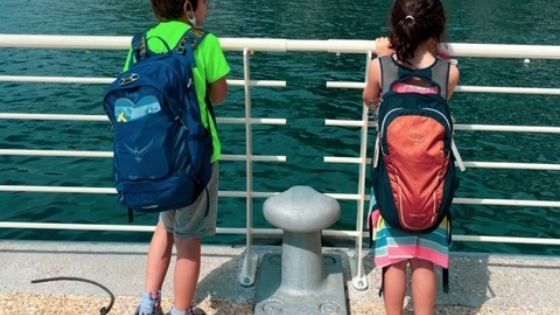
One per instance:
[(156, 311), (196, 311), (193, 311)]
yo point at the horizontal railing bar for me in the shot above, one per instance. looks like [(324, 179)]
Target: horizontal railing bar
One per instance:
[(108, 190), (254, 158), (65, 41), (254, 121), (343, 160), (463, 88), (464, 127), (278, 44), (149, 228), (507, 90), (258, 83), (94, 80), (62, 117), (505, 128), (504, 51), (109, 154), (345, 123), (56, 153), (55, 79), (277, 83), (255, 194), (506, 239), (243, 194), (507, 202), (513, 166), (58, 189), (72, 117), (345, 85), (471, 164), (259, 231)]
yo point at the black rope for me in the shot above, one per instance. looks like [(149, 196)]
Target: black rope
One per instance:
[(103, 310)]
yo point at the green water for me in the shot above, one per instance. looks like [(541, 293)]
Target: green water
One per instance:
[(305, 102)]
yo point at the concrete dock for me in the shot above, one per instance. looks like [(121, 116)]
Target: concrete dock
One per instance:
[(479, 284)]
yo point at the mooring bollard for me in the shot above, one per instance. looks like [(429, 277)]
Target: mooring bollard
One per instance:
[(301, 212)]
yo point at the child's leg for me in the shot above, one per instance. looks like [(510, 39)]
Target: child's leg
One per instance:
[(394, 288), (424, 287), (159, 256), (190, 225), (187, 269)]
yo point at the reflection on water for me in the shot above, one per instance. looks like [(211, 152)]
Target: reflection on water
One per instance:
[(305, 102)]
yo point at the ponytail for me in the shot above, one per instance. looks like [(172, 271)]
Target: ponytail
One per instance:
[(412, 23)]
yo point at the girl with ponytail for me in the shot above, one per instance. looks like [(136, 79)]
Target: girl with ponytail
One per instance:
[(413, 46)]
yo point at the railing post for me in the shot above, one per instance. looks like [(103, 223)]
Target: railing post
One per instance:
[(249, 269), (359, 280)]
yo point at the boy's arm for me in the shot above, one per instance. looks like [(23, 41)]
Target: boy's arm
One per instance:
[(217, 91), (217, 69)]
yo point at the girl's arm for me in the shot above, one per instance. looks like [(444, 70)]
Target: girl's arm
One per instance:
[(372, 90), (453, 80)]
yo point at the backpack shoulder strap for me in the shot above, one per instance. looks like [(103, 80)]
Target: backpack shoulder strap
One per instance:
[(440, 75), (139, 47), (389, 73), (191, 39)]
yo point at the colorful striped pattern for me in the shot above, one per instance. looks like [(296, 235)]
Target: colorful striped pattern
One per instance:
[(393, 245)]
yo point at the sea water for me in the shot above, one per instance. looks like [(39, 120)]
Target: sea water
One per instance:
[(305, 103)]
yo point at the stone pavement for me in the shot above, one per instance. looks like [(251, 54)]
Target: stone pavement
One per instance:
[(479, 284)]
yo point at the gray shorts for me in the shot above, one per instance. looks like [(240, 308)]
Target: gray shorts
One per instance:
[(193, 221)]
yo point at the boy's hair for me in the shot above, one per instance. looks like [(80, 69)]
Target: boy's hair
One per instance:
[(413, 22), (168, 10)]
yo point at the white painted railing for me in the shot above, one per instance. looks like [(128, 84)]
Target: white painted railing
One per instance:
[(247, 45)]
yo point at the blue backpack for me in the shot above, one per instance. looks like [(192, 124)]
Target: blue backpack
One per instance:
[(161, 148)]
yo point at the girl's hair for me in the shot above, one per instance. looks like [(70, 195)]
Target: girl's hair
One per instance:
[(413, 22), (167, 10)]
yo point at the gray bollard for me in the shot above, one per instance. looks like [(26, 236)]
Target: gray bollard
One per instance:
[(317, 282)]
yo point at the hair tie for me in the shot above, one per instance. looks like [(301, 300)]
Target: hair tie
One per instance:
[(409, 17)]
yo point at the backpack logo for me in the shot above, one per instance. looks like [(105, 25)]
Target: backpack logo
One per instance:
[(416, 136), (137, 154), (161, 148), (413, 176)]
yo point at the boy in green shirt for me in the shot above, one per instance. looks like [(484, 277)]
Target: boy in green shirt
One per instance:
[(186, 226)]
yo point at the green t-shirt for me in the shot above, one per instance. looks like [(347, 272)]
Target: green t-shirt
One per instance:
[(211, 65)]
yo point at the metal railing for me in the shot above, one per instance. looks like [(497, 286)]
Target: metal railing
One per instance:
[(246, 45)]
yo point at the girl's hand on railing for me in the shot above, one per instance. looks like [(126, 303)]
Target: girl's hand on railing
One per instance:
[(382, 47), (445, 54)]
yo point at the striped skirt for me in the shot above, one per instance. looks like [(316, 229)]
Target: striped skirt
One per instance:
[(393, 245)]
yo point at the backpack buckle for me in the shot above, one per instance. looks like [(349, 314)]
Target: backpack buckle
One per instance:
[(129, 79)]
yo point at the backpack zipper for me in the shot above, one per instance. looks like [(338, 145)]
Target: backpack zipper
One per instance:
[(442, 116)]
